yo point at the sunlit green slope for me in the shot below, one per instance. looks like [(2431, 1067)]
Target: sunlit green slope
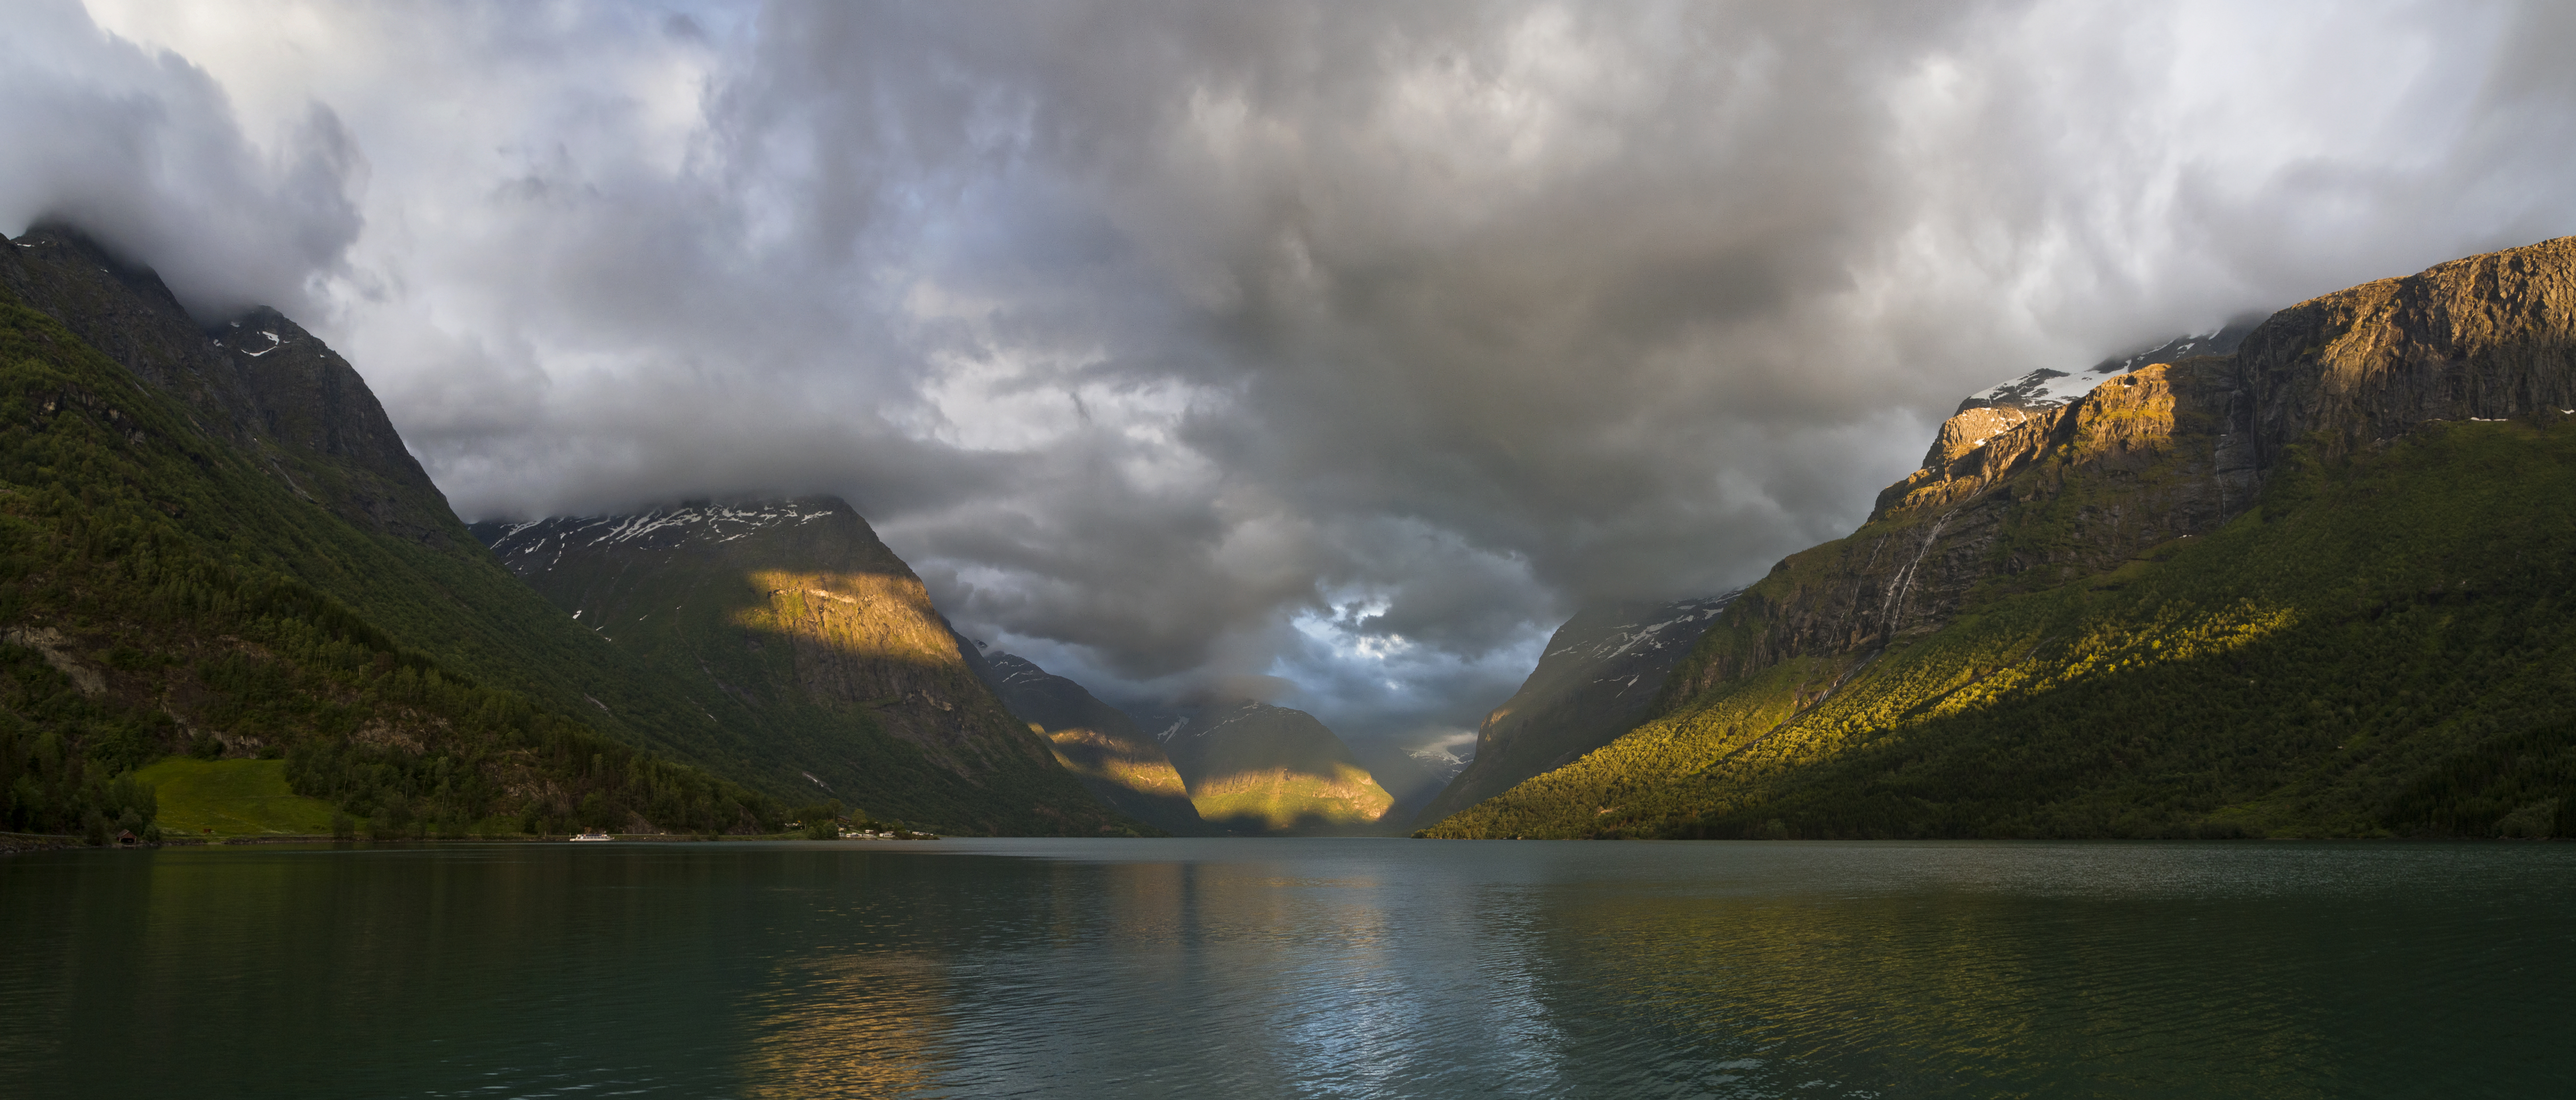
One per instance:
[(2386, 645), (2320, 586), (1255, 768)]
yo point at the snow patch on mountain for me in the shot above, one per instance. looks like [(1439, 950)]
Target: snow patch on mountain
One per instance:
[(662, 528), (1659, 627)]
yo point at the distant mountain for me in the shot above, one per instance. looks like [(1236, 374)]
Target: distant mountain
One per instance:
[(2313, 585), (1120, 763), (1599, 676), (1255, 768), (1413, 777), (217, 544), (790, 623)]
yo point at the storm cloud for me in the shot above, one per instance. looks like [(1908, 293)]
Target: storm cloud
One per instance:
[(1352, 345)]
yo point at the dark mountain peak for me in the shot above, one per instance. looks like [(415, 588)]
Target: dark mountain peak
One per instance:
[(259, 380), (76, 245), (1013, 670)]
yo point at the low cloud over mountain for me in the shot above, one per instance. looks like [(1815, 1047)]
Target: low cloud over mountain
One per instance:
[(1350, 345)]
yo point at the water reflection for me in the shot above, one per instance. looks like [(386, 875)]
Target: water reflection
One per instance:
[(1291, 968), (870, 1023)]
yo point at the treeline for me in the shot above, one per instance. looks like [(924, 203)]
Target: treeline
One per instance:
[(143, 638)]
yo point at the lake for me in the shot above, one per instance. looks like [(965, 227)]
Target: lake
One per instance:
[(1262, 968)]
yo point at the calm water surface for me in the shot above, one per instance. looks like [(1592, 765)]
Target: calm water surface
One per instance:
[(1263, 968)]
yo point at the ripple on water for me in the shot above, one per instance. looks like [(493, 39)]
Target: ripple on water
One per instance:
[(1292, 968)]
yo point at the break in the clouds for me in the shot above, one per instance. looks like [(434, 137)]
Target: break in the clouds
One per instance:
[(1351, 345)]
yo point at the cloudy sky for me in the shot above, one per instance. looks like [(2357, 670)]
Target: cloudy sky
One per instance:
[(1354, 345)]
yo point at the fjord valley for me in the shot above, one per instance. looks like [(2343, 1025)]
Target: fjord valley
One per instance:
[(827, 550), (2314, 584), (2300, 576)]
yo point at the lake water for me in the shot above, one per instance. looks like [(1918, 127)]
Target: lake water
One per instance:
[(1263, 968)]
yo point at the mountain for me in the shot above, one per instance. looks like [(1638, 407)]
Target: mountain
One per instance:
[(1121, 764), (1255, 768), (1412, 777), (1599, 676), (790, 623), (216, 543), (2049, 389), (2317, 586)]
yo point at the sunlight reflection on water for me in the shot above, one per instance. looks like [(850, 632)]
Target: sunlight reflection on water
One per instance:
[(1291, 968)]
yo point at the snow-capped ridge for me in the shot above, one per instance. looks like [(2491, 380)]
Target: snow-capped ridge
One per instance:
[(667, 528)]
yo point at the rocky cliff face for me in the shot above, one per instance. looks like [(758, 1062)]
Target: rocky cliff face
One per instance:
[(2483, 338), (1598, 678), (1255, 768), (2033, 485), (1119, 762), (796, 619), (259, 381)]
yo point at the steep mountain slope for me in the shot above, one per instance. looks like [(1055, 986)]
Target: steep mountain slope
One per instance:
[(177, 582), (790, 622), (379, 537), (1599, 676), (2314, 587), (260, 382), (1120, 763), (1255, 768)]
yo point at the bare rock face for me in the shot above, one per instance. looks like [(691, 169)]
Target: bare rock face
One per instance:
[(2031, 485), (2487, 337)]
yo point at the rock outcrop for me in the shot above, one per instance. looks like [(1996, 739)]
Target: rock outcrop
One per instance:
[(2484, 338)]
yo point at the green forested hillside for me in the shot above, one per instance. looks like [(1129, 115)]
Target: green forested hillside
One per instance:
[(164, 592), (2385, 645)]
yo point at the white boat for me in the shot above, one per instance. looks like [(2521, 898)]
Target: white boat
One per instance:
[(592, 835)]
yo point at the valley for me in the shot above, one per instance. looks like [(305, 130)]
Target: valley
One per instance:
[(2293, 577)]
